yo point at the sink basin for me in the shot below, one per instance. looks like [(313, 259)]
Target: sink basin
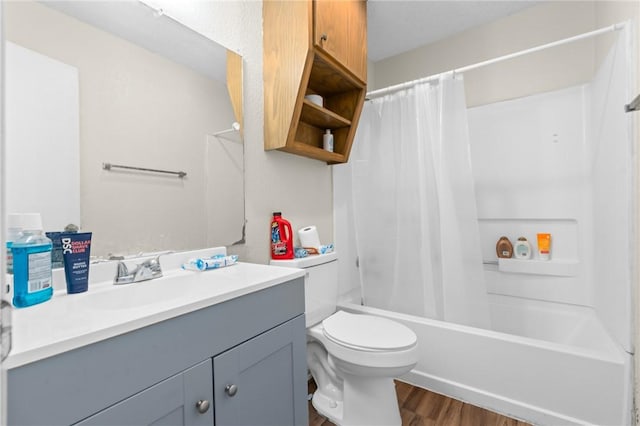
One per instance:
[(177, 287), (126, 298), (144, 293)]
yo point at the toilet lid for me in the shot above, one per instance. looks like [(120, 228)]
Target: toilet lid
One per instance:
[(368, 332)]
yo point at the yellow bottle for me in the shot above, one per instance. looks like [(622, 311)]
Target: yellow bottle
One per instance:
[(544, 246)]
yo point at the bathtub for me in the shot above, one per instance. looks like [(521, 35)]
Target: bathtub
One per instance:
[(544, 363)]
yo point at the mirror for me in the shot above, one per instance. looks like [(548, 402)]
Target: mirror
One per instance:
[(118, 82)]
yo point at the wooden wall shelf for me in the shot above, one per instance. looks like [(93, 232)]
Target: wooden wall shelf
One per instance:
[(321, 117), (295, 66)]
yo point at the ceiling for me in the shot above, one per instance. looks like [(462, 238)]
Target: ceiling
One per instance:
[(145, 25), (397, 26), (394, 26)]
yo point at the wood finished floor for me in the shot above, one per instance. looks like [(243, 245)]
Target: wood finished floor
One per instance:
[(420, 407)]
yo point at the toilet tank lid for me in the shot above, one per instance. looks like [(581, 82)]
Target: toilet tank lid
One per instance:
[(307, 262)]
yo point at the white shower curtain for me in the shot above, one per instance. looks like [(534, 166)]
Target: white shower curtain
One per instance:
[(414, 205)]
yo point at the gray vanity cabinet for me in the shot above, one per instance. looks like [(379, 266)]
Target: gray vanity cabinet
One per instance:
[(170, 402), (240, 362)]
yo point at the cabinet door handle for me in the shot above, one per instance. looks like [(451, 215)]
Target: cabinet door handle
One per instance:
[(202, 406), (323, 37), (231, 390)]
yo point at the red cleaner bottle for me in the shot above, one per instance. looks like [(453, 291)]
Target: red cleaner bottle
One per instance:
[(281, 238)]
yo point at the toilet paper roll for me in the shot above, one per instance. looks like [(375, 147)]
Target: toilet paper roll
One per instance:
[(309, 237)]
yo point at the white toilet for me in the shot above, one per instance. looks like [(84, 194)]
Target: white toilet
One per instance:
[(353, 358)]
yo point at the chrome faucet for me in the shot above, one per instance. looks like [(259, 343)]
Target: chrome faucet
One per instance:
[(147, 270)]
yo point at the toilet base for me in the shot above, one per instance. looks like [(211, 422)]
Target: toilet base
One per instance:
[(369, 401), (327, 407)]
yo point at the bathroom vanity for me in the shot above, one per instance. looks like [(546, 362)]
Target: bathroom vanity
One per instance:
[(225, 346)]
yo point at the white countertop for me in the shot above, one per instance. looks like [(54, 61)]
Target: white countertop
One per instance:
[(70, 321)]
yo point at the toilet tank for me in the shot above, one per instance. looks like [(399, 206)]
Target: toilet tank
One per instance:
[(320, 284)]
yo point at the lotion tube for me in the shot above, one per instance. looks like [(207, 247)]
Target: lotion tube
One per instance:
[(76, 247), (544, 246)]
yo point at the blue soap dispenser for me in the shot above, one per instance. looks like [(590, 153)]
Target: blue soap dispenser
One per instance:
[(32, 282), (14, 230)]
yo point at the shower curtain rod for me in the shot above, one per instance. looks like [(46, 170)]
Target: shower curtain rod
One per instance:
[(406, 85)]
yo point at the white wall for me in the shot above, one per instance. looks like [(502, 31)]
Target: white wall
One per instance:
[(561, 162), (544, 71), (300, 188), (612, 172), (531, 167)]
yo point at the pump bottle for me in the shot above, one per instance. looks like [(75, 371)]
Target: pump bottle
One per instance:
[(32, 282)]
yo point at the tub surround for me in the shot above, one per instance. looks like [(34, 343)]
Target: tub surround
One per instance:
[(99, 355), (562, 326)]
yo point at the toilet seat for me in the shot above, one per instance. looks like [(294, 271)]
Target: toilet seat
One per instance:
[(368, 333), (366, 349)]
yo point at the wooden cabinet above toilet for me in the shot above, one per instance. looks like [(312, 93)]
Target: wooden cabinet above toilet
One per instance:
[(314, 47)]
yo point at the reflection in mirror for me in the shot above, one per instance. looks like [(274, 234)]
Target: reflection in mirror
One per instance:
[(117, 83)]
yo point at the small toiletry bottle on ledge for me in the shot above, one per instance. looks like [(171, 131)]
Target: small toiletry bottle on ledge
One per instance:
[(544, 246), (32, 282), (522, 249), (327, 141), (504, 249)]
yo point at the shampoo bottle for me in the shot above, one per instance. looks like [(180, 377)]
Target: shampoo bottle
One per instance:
[(522, 249), (32, 282), (504, 249)]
